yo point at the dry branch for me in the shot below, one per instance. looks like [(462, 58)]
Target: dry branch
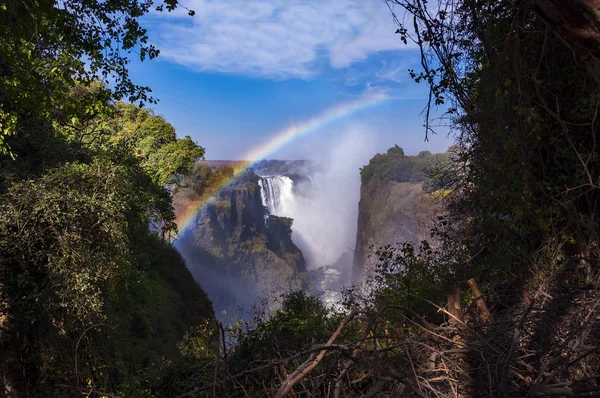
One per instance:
[(484, 313), (306, 367), (265, 367)]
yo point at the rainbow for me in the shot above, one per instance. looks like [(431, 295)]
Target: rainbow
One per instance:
[(188, 215)]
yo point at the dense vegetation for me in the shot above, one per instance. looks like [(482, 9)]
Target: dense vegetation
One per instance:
[(203, 181), (83, 279), (395, 166), (90, 299)]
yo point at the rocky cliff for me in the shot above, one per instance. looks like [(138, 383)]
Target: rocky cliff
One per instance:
[(236, 250), (394, 206)]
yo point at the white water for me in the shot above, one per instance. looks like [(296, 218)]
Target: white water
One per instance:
[(318, 229), (276, 194), (320, 224), (324, 206)]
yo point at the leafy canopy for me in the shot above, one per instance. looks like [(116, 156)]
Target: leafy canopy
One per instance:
[(49, 46), (396, 166), (153, 142)]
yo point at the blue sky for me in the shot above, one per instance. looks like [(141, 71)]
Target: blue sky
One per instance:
[(238, 72)]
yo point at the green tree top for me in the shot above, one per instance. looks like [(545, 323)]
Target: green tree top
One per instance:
[(47, 46), (396, 166), (153, 142)]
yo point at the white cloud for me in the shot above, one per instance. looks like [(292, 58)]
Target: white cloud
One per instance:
[(275, 38)]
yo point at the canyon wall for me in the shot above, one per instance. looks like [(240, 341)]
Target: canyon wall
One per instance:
[(394, 206), (236, 250)]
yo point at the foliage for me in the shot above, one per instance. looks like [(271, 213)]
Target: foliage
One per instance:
[(153, 141), (366, 342), (300, 320), (204, 180), (78, 262), (524, 172), (395, 166), (69, 227), (407, 276), (156, 309), (50, 47), (90, 298)]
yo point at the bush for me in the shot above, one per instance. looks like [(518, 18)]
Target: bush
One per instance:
[(397, 167)]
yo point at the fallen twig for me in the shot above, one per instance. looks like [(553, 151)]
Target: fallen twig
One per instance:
[(306, 367)]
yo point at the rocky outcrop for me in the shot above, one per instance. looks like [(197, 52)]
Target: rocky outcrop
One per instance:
[(237, 251), (389, 213), (394, 206)]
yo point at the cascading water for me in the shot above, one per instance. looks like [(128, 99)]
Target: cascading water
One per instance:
[(315, 226), (319, 227), (276, 194)]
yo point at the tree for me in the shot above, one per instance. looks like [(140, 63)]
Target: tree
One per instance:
[(49, 46), (77, 259), (153, 141), (577, 23), (90, 298), (522, 214)]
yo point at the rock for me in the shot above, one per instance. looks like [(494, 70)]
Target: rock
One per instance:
[(394, 206), (238, 252)]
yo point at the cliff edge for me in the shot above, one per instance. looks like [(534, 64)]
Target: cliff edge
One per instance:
[(236, 250), (394, 205)]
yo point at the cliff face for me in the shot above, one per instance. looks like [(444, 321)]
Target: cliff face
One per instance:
[(394, 206), (237, 251), (389, 213)]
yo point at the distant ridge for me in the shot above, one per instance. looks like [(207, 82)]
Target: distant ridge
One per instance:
[(240, 163), (222, 163)]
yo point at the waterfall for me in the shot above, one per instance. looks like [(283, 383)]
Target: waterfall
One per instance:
[(322, 226), (276, 194), (319, 227)]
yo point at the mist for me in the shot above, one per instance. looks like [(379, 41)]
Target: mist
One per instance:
[(322, 201), (325, 207)]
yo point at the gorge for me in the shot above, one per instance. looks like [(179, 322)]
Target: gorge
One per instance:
[(287, 225), (131, 266)]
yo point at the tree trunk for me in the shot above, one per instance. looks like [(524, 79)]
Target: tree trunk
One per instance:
[(577, 23), (484, 313), (454, 305)]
